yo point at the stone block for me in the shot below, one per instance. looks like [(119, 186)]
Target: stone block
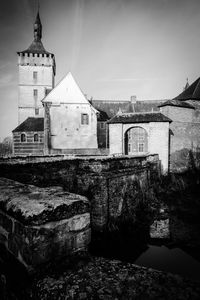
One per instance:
[(39, 224)]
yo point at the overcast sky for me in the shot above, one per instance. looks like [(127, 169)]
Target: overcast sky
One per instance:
[(114, 48)]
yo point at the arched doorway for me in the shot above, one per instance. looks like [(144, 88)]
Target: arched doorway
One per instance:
[(136, 141)]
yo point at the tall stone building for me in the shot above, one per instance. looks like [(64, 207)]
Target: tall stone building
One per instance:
[(36, 76), (37, 70)]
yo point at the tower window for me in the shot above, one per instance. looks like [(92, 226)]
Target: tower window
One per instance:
[(23, 138), (36, 111), (84, 119), (35, 75), (35, 93), (36, 138), (102, 125)]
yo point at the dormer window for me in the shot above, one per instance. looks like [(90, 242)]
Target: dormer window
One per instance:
[(84, 119)]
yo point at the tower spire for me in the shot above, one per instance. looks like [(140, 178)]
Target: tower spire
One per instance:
[(37, 27)]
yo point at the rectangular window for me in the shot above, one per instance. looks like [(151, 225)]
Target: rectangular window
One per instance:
[(141, 147), (84, 119), (35, 75), (102, 125), (36, 111), (35, 93)]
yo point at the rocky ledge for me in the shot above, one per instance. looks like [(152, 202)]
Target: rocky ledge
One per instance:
[(32, 205), (39, 224), (99, 278)]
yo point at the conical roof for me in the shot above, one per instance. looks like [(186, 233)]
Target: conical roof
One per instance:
[(36, 46), (191, 93)]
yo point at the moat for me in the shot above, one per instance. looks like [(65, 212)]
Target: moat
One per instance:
[(123, 261)]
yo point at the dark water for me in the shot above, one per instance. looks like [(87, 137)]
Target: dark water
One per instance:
[(174, 260), (179, 255), (170, 260)]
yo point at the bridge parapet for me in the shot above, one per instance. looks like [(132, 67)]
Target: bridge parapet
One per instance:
[(38, 225)]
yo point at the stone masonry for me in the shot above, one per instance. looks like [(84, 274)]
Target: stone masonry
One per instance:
[(113, 185), (40, 224)]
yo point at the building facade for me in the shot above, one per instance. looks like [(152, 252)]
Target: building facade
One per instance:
[(28, 137), (70, 119), (140, 134), (36, 76)]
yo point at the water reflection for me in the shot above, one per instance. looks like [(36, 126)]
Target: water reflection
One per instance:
[(170, 260)]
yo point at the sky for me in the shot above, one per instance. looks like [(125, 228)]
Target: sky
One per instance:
[(114, 48)]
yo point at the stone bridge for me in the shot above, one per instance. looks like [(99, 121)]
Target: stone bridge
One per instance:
[(113, 185)]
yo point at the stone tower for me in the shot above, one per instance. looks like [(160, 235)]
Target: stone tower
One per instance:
[(36, 76)]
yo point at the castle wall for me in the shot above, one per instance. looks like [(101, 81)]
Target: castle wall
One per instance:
[(43, 67), (184, 134)]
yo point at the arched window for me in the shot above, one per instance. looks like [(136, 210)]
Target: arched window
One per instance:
[(36, 139), (23, 138), (136, 141)]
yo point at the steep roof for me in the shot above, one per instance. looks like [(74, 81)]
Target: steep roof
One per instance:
[(147, 105), (112, 107), (67, 91), (30, 124), (36, 46), (191, 93), (139, 118), (177, 103)]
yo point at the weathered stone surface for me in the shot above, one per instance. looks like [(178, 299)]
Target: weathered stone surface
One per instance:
[(34, 206), (39, 224), (160, 229), (99, 278), (106, 181)]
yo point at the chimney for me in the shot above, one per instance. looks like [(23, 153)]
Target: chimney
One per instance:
[(133, 99)]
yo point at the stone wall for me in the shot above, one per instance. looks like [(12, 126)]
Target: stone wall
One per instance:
[(44, 65), (28, 147), (184, 135), (38, 225), (112, 184)]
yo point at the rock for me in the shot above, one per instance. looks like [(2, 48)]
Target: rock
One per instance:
[(160, 229), (39, 224)]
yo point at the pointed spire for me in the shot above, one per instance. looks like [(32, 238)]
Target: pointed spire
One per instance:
[(187, 85), (37, 28)]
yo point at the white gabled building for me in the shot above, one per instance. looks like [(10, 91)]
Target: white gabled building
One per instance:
[(70, 120)]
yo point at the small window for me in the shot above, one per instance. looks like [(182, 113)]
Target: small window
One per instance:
[(36, 111), (36, 139), (35, 75), (102, 125), (35, 93), (84, 119), (141, 147), (23, 138)]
